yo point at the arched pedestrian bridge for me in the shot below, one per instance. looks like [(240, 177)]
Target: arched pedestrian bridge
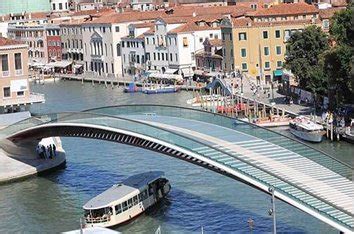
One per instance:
[(303, 177)]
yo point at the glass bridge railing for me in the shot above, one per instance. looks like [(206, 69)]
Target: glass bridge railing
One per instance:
[(103, 117), (228, 122)]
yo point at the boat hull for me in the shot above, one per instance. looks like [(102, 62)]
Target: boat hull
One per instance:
[(311, 137), (157, 91)]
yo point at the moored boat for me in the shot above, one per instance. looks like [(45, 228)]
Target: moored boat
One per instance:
[(306, 129), (132, 88), (161, 89), (122, 202)]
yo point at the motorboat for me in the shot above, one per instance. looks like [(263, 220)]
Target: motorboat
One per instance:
[(160, 89), (306, 129), (132, 88), (124, 201)]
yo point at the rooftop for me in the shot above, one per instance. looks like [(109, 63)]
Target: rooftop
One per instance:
[(285, 9), (329, 12), (246, 22), (118, 191), (8, 42)]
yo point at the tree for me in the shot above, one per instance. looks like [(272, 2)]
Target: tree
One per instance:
[(342, 28), (337, 65), (303, 51), (339, 60)]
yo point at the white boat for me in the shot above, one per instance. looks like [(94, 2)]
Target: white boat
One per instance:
[(122, 202), (306, 129)]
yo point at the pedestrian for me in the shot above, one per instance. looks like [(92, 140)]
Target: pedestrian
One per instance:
[(44, 152), (54, 150), (50, 152)]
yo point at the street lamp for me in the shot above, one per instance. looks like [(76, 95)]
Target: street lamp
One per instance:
[(272, 210)]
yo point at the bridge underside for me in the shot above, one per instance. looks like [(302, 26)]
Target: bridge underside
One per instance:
[(227, 149)]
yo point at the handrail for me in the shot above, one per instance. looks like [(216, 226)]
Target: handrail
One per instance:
[(228, 117), (201, 143)]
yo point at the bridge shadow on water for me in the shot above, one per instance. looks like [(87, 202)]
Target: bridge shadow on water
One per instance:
[(184, 211)]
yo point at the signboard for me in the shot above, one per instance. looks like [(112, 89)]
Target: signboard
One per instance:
[(19, 85)]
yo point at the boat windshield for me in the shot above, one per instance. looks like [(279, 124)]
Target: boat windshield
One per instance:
[(98, 215)]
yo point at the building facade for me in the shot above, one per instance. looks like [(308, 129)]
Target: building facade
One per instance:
[(72, 41), (256, 44), (15, 93), (59, 5), (53, 41), (210, 58)]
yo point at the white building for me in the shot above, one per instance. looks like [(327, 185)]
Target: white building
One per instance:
[(157, 47), (133, 49), (190, 38), (59, 5)]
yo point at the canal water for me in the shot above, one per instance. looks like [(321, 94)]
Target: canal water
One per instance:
[(199, 198)]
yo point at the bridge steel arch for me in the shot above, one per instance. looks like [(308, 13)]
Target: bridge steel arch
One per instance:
[(128, 131)]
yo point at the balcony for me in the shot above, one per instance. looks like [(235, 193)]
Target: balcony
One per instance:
[(25, 100), (5, 73), (18, 72)]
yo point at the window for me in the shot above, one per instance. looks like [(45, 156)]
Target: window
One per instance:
[(185, 42), (216, 36), (158, 56), (125, 206), (287, 35), (154, 56), (278, 50), (210, 35), (242, 36), (244, 66), (118, 49), (7, 92), (130, 202), (60, 6), (193, 56), (176, 57), (53, 6), (135, 200), (279, 64), (163, 56), (265, 34), (223, 36), (5, 64), (20, 93), (117, 28), (266, 51), (277, 33), (243, 53), (266, 65), (325, 24), (200, 39), (171, 59), (147, 41)]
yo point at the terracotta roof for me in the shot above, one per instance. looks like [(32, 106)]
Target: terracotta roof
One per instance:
[(215, 42), (285, 9), (8, 42), (329, 12), (246, 22), (180, 14), (95, 12), (192, 27), (73, 22), (143, 25)]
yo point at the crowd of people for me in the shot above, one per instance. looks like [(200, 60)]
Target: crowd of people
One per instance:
[(45, 152)]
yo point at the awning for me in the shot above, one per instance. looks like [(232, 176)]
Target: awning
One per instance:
[(77, 66), (60, 64), (171, 71), (166, 76), (278, 72)]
